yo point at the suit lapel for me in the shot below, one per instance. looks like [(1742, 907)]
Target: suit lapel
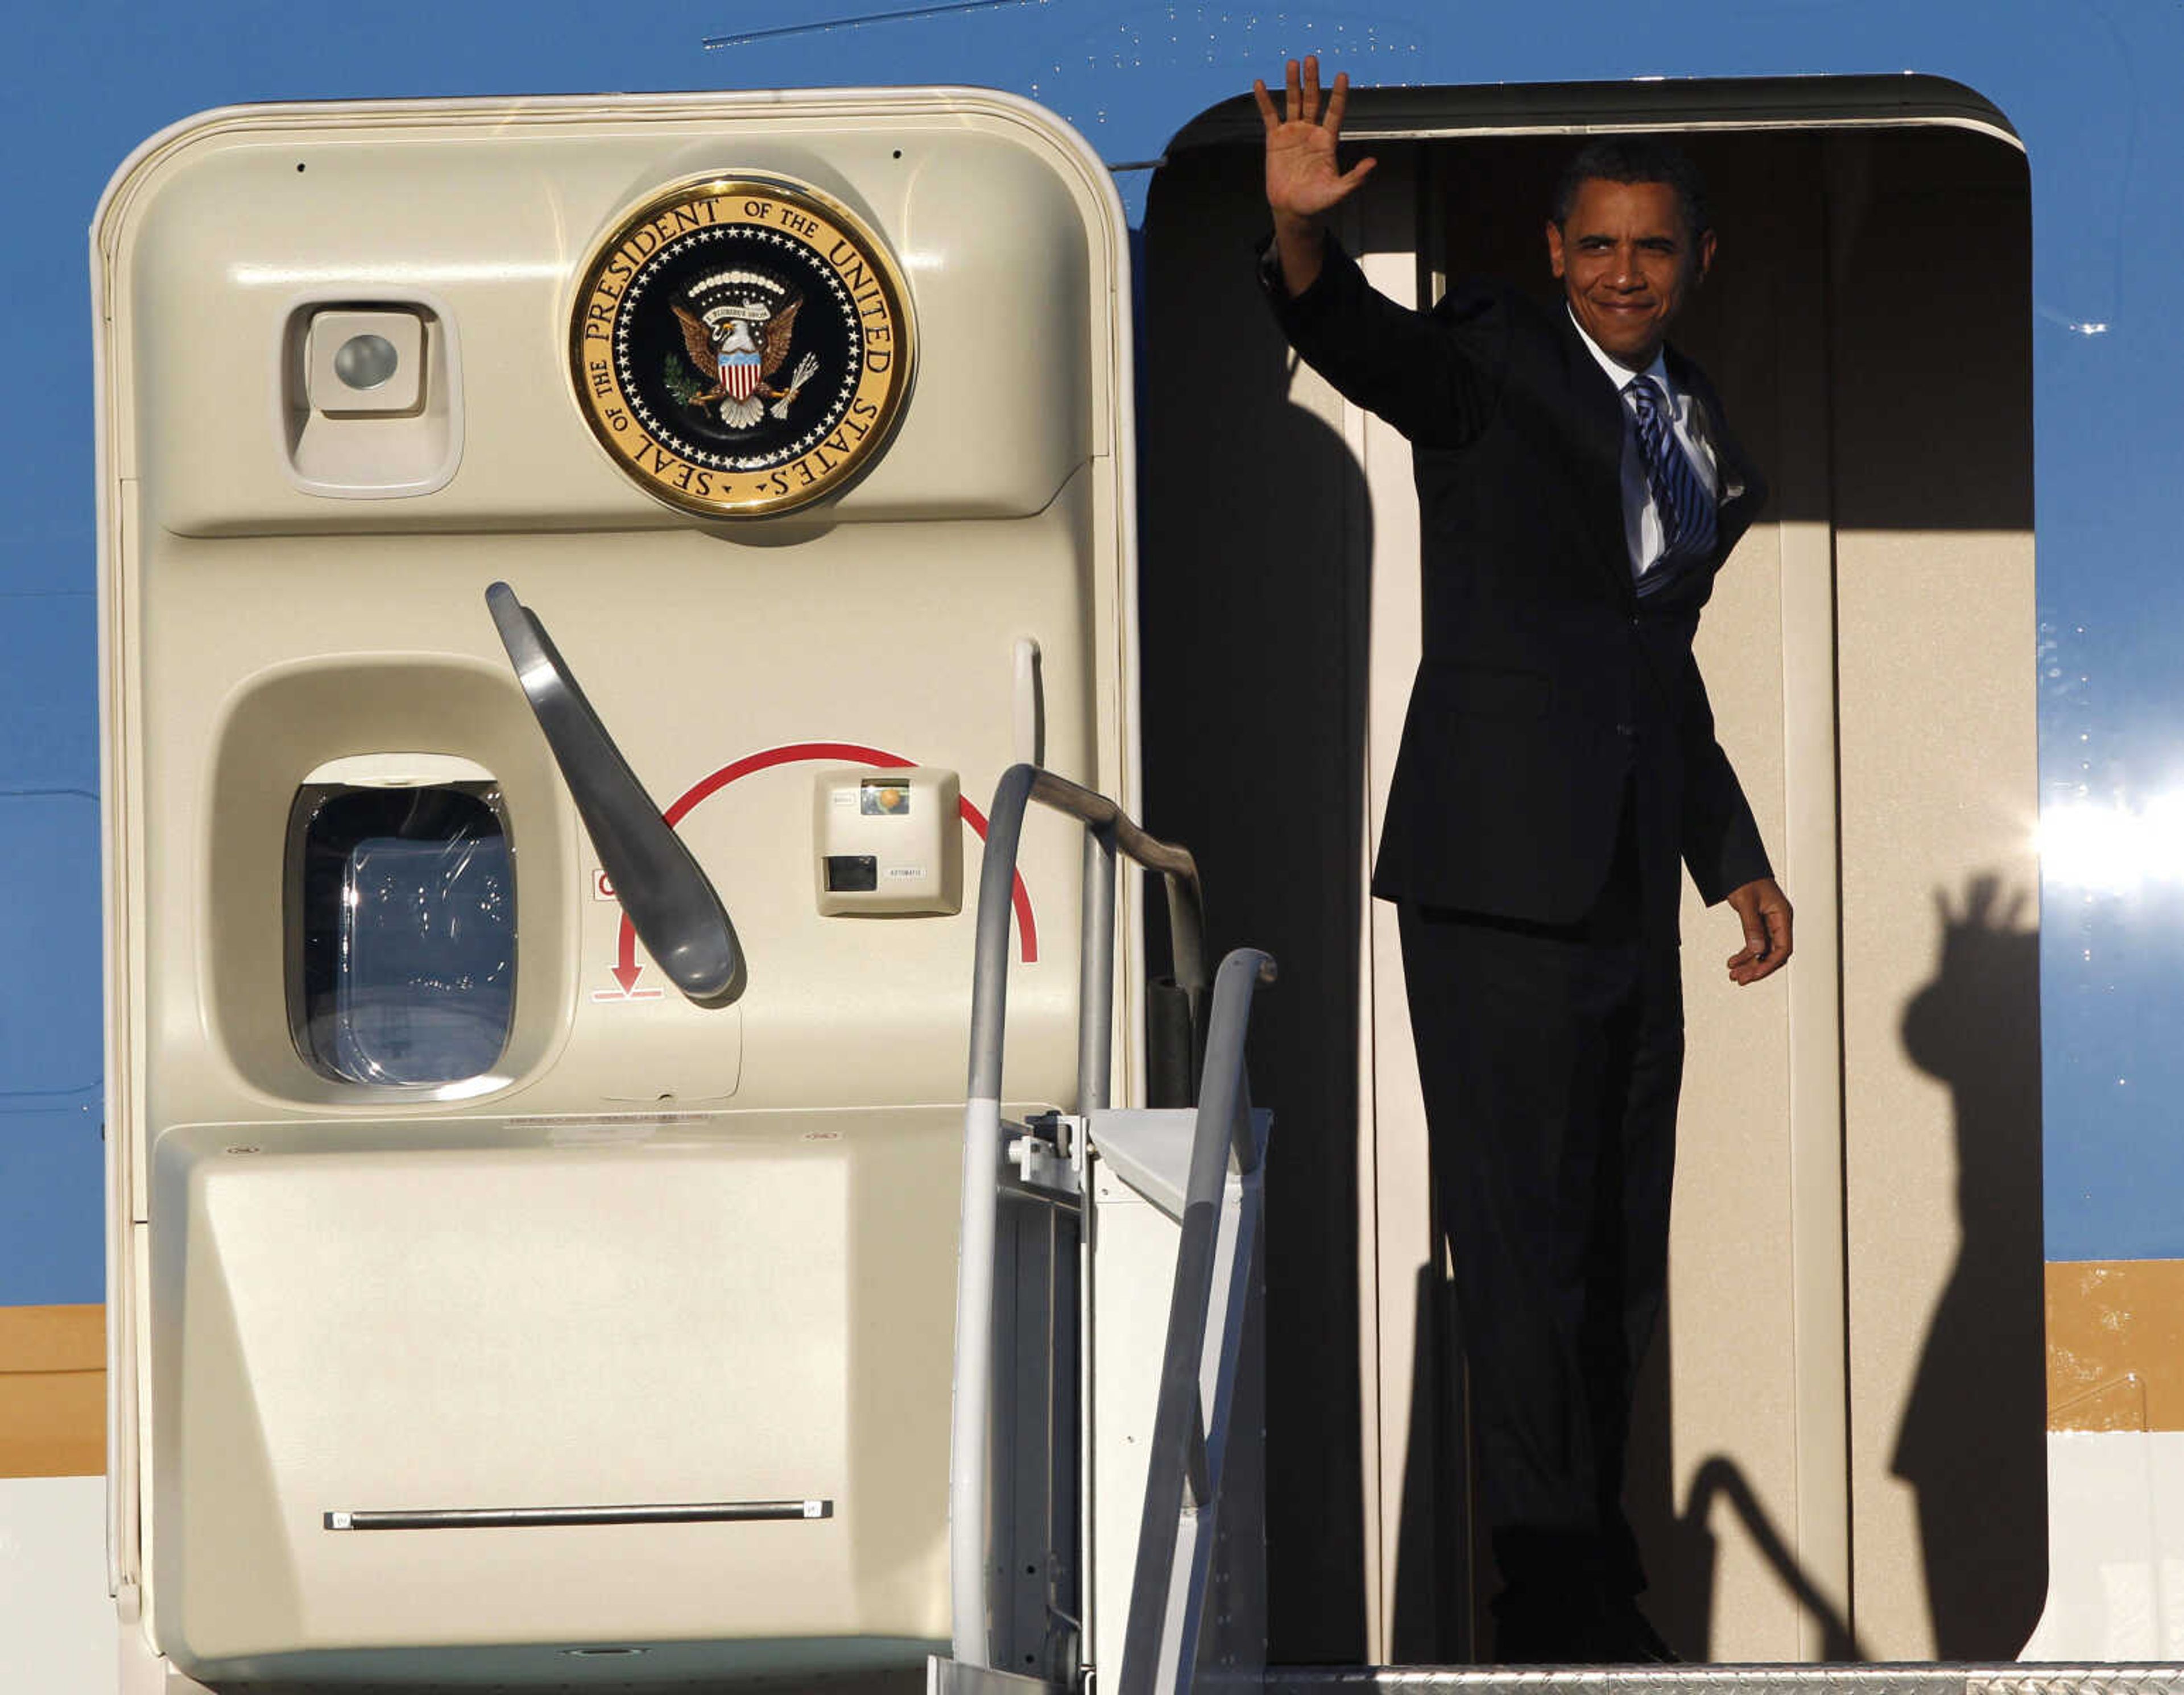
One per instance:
[(1595, 412)]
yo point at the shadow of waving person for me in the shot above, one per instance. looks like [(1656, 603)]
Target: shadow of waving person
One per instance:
[(1973, 1442)]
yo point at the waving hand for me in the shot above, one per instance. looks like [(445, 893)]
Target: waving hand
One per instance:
[(1303, 179)]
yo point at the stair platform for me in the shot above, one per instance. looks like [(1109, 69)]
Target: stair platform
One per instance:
[(2010, 1679)]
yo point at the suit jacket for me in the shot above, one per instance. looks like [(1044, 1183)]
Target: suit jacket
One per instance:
[(1548, 691)]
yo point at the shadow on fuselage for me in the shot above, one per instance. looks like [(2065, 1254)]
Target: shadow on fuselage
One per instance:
[(1973, 1441)]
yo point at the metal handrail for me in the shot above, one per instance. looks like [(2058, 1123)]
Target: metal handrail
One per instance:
[(1108, 830), (1177, 1471)]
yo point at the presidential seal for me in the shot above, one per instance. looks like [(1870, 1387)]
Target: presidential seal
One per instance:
[(741, 346)]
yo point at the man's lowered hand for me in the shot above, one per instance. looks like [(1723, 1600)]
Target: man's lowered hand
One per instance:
[(1764, 911)]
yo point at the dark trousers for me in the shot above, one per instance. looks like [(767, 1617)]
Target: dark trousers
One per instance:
[(1550, 1057)]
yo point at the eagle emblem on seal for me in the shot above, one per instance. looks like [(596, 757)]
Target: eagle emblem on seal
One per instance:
[(737, 329), (741, 346)]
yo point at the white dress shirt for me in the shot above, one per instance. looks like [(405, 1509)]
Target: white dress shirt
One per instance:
[(1641, 519)]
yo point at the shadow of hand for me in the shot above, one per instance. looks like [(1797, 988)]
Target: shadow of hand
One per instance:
[(1956, 1026)]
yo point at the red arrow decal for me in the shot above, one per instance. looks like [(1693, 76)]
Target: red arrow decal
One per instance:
[(626, 970)]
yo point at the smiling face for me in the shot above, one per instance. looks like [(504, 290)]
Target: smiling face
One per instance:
[(1627, 261)]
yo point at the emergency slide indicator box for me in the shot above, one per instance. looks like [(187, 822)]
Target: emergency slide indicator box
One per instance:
[(888, 843)]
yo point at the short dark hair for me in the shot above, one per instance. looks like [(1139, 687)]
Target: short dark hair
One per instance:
[(1635, 158)]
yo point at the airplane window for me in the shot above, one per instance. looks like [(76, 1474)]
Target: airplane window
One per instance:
[(401, 931)]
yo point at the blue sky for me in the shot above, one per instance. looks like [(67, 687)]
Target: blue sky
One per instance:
[(84, 86)]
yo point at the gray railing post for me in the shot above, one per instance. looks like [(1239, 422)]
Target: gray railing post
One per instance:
[(1182, 1476), (1095, 997), (1110, 831)]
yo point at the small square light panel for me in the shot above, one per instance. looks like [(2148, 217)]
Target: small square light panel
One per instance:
[(363, 362), (890, 844)]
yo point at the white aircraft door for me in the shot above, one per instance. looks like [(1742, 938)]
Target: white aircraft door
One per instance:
[(484, 1308)]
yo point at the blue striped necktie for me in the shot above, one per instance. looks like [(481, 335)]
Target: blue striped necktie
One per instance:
[(1679, 495)]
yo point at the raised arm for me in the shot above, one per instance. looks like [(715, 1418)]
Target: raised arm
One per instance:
[(1304, 181), (1432, 375)]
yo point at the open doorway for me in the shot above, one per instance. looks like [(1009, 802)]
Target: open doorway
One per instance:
[(1842, 1434)]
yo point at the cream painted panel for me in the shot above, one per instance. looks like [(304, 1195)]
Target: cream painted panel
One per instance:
[(503, 1316), (1941, 999), (1756, 1260), (699, 653), (1733, 1366), (1400, 1249), (705, 648), (233, 229), (1939, 780)]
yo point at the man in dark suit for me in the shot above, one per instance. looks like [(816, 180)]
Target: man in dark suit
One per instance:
[(1578, 488)]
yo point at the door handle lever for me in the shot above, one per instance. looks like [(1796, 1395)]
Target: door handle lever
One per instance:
[(679, 914)]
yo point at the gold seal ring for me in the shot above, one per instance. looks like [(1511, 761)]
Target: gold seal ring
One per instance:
[(741, 345)]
